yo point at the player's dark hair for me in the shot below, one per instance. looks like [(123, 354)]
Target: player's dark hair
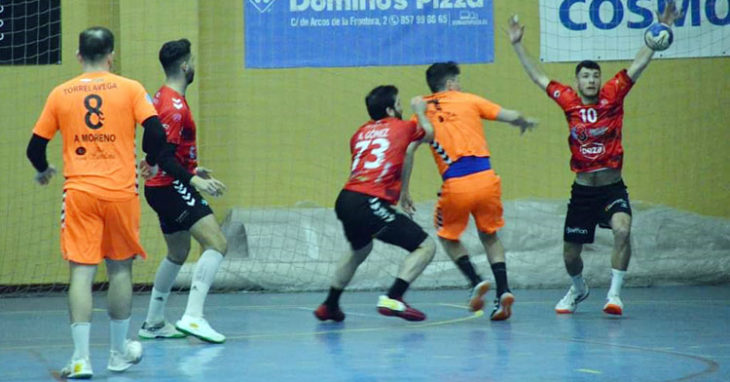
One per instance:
[(174, 53), (95, 43), (440, 72), (379, 100), (588, 64)]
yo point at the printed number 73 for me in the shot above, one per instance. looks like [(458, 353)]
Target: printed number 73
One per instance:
[(380, 145)]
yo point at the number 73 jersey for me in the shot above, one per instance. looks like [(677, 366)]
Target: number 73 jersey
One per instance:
[(595, 130), (378, 150)]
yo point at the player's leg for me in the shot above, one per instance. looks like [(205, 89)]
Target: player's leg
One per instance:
[(155, 324), (208, 233), (619, 210), (352, 209), (121, 245), (398, 229), (579, 229), (124, 352), (346, 267), (450, 219), (81, 247)]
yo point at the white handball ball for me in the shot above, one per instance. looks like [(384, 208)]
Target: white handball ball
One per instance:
[(658, 37)]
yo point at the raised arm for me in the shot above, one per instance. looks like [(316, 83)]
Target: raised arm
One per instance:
[(537, 75), (642, 59), (515, 118), (419, 107)]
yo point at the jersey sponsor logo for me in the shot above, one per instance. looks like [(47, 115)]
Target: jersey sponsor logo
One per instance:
[(597, 132), (556, 94), (80, 151), (177, 117), (592, 150), (576, 230)]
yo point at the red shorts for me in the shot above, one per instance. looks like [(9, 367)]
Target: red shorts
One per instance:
[(476, 194), (93, 229)]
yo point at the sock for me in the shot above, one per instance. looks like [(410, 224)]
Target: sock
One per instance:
[(616, 282), (118, 330), (398, 289), (333, 298), (500, 277), (468, 270), (80, 334), (165, 277), (578, 283), (203, 278)]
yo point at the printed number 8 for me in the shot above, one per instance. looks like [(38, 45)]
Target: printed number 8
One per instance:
[(93, 110)]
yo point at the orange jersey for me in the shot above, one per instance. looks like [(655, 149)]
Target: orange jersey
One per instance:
[(97, 114), (457, 122)]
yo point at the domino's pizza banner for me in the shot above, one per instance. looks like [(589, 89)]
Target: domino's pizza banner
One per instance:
[(337, 33), (573, 30)]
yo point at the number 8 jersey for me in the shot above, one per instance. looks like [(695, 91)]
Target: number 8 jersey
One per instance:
[(97, 114), (378, 149), (595, 130)]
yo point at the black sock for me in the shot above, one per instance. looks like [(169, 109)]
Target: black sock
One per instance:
[(333, 298), (500, 276), (398, 289), (468, 270)]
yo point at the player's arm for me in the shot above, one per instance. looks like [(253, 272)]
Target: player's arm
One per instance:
[(418, 105), (645, 54), (36, 153), (160, 151), (406, 202), (516, 32), (515, 118)]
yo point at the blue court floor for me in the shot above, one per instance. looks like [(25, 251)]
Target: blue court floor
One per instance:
[(666, 334)]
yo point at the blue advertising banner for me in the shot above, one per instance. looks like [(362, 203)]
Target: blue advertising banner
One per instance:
[(336, 33)]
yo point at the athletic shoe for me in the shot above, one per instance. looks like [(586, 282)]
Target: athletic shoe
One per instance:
[(614, 305), (324, 313), (569, 302), (476, 300), (122, 361), (163, 329), (79, 368), (395, 307), (199, 327), (502, 307)]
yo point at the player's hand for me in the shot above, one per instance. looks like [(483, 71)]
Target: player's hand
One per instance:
[(146, 170), (406, 204), (526, 124), (515, 30), (210, 186), (203, 172), (44, 177), (418, 105), (670, 13)]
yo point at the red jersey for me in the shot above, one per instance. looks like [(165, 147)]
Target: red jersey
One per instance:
[(595, 130), (378, 149), (180, 128)]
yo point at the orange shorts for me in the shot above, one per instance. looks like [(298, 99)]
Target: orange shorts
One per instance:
[(476, 194), (93, 229)]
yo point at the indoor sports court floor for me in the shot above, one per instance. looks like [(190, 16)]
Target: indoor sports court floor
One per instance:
[(666, 334)]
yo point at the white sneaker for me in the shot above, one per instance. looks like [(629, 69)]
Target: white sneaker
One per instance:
[(79, 368), (569, 302), (614, 305), (132, 355), (199, 327), (476, 300), (163, 329)]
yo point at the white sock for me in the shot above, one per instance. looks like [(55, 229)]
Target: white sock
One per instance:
[(578, 283), (80, 334), (616, 282), (203, 277), (118, 332), (165, 277)]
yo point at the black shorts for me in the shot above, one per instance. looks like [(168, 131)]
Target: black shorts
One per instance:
[(365, 217), (591, 206), (178, 206)]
